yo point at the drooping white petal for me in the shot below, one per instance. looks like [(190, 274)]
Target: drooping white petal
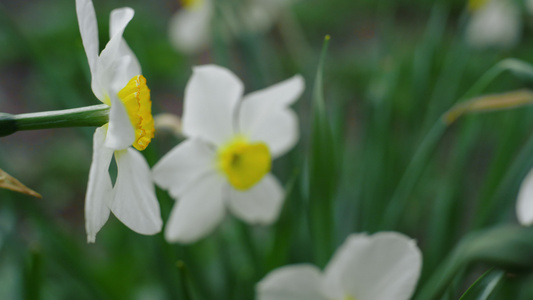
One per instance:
[(99, 186), (299, 282), (129, 65), (211, 97), (134, 202), (121, 133), (264, 115), (112, 60), (383, 266), (183, 166), (524, 205), (260, 204), (89, 36), (190, 29), (198, 211)]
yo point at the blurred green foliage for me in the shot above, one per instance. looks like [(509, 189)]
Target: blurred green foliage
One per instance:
[(393, 68)]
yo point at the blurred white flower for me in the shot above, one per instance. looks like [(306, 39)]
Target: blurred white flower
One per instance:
[(168, 123), (524, 205), (529, 6), (190, 28), (383, 266), (493, 24), (116, 81), (226, 158)]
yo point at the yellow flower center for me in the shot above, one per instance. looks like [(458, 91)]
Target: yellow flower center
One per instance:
[(474, 5), (136, 98), (244, 163), (192, 4)]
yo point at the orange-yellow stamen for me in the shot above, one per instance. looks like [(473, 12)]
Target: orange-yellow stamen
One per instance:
[(244, 163), (136, 98)]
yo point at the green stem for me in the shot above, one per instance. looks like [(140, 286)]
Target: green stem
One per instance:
[(183, 278), (96, 115), (251, 249)]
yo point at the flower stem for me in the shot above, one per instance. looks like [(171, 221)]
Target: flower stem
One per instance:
[(96, 115)]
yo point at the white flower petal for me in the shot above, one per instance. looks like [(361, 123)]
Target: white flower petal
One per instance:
[(264, 115), (524, 205), (135, 203), (129, 65), (299, 282), (112, 60), (190, 30), (260, 204), (198, 212), (183, 166), (121, 133), (89, 36), (211, 97), (383, 266), (279, 130), (99, 186), (277, 96)]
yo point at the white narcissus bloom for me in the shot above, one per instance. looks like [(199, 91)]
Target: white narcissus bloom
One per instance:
[(493, 24), (383, 266), (117, 82), (190, 27), (524, 205), (225, 160)]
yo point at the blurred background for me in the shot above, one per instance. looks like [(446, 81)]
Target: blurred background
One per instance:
[(392, 69)]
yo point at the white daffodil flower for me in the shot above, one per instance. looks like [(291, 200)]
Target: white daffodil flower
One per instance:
[(117, 82), (493, 24), (190, 27), (225, 160), (383, 266), (524, 205)]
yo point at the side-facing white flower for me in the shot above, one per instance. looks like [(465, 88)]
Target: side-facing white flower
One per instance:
[(226, 159), (383, 266), (493, 24), (524, 205), (117, 82), (190, 28)]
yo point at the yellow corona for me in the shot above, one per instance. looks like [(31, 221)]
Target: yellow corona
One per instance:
[(136, 98)]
